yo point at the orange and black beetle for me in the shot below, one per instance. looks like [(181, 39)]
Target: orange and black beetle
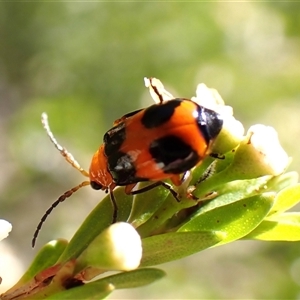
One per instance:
[(159, 142)]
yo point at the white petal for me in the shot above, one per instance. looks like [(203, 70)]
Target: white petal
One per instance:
[(157, 90), (5, 229)]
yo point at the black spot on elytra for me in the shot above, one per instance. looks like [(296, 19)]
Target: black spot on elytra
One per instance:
[(158, 114), (175, 155), (113, 139)]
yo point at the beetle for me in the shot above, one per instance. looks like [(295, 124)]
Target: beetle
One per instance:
[(162, 141)]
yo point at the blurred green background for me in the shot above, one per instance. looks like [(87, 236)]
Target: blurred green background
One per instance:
[(84, 63)]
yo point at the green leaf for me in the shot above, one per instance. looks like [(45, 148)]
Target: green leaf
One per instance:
[(227, 193), (146, 204), (93, 290), (166, 247), (226, 176), (215, 164), (286, 199), (101, 288), (234, 191), (235, 220), (167, 210), (99, 219), (282, 227), (283, 181), (135, 278), (46, 257)]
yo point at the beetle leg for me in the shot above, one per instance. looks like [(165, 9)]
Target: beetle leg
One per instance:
[(129, 187), (176, 179), (114, 206), (156, 184)]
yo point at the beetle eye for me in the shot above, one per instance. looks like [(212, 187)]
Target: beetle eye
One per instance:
[(96, 186)]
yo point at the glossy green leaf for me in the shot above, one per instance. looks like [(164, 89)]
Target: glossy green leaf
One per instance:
[(282, 227), (235, 191), (228, 175), (167, 210), (93, 290), (146, 204), (46, 257), (135, 278), (286, 199), (166, 247), (213, 165), (99, 289), (96, 222), (228, 193), (236, 219), (283, 181)]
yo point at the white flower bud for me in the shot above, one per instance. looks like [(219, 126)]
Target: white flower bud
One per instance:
[(267, 149), (126, 246), (118, 247), (5, 229)]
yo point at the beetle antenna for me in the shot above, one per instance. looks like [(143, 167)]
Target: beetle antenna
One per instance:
[(63, 151), (62, 198)]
